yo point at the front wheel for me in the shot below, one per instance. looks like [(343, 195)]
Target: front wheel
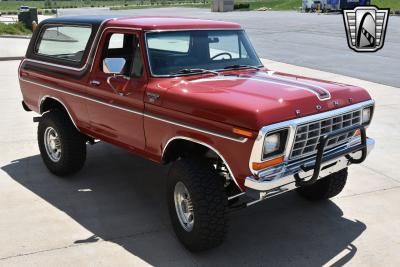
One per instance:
[(62, 147), (197, 204), (325, 188)]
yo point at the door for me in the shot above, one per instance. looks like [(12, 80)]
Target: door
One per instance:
[(116, 114)]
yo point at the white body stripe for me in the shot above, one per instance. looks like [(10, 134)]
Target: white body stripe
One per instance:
[(236, 139), (273, 80)]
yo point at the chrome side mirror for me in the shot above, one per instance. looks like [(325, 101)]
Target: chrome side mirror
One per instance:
[(114, 65)]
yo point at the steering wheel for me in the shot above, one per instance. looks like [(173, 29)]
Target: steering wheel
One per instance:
[(221, 54)]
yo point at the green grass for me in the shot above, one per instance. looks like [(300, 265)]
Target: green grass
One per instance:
[(275, 4), (158, 5), (14, 5), (14, 29), (8, 7), (392, 4)]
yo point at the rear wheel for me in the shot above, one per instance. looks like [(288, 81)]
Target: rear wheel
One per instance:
[(62, 147), (197, 204), (325, 188)]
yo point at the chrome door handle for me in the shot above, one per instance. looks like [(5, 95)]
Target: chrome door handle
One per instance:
[(95, 83)]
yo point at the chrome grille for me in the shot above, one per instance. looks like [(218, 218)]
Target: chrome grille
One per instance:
[(308, 135)]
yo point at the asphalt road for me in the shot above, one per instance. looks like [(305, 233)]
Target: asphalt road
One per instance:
[(113, 212), (308, 40)]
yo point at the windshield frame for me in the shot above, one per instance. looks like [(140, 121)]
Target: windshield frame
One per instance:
[(197, 73)]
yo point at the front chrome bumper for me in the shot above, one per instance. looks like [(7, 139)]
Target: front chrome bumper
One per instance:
[(282, 177)]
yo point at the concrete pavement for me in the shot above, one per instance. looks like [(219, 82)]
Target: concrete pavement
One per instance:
[(12, 48), (113, 212)]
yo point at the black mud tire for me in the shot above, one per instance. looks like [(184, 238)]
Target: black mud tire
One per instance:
[(73, 143), (325, 188), (209, 202)]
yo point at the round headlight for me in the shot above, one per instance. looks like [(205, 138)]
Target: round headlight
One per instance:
[(272, 143)]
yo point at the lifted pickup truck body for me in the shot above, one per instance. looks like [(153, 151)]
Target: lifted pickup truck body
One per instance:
[(268, 131)]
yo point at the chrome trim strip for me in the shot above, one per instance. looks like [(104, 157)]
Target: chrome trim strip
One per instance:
[(291, 125), (236, 139), (84, 97), (206, 145), (53, 64), (62, 103), (236, 196), (194, 29)]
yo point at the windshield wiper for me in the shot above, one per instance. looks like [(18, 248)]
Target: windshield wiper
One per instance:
[(194, 71), (239, 66)]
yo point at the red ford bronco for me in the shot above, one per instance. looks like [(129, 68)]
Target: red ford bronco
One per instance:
[(191, 93)]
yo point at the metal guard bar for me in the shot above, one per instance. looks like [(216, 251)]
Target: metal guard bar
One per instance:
[(321, 158)]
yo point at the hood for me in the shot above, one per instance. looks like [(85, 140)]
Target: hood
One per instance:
[(255, 99)]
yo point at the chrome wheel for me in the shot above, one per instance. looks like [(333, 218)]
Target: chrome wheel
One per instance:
[(52, 144), (184, 206)]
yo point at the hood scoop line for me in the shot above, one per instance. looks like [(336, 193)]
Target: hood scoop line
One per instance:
[(322, 93)]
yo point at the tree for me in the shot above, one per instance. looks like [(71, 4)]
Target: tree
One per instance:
[(48, 4)]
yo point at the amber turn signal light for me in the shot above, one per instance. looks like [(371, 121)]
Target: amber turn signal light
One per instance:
[(242, 132), (272, 162)]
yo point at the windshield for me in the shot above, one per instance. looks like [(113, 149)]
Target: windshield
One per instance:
[(186, 52)]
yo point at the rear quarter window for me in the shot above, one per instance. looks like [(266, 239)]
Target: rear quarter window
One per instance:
[(63, 42)]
